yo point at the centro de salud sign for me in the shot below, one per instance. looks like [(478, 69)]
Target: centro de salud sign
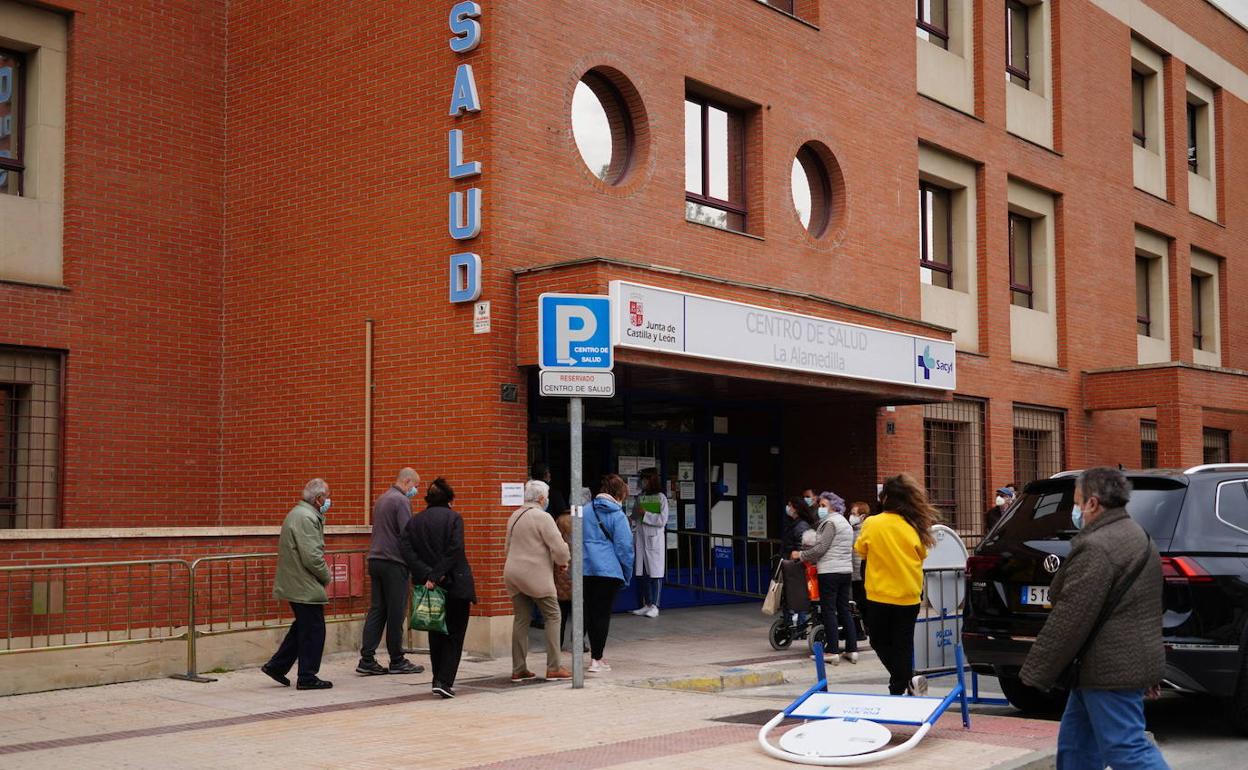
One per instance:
[(665, 321), (574, 348)]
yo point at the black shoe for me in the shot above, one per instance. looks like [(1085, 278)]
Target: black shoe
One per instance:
[(445, 692), (369, 668), (406, 667), (276, 677), (314, 684)]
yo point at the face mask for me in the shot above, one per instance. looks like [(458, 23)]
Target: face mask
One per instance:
[(823, 513), (324, 509), (809, 500), (1076, 517), (410, 493), (1000, 501), (855, 519), (788, 510)]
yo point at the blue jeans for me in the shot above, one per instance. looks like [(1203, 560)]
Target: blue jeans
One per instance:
[(1105, 727), (650, 588)]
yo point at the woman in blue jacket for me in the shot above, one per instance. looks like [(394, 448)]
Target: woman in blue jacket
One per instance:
[(608, 562)]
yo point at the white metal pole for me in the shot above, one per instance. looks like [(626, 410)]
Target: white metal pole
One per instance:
[(576, 414)]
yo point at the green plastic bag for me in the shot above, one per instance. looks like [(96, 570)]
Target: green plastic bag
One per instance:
[(428, 609)]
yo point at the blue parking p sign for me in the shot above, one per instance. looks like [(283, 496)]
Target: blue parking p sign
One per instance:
[(574, 332)]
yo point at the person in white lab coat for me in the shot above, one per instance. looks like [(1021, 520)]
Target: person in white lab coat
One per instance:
[(650, 542)]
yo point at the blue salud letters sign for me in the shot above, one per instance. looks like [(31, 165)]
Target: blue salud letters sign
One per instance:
[(464, 210), (574, 332)]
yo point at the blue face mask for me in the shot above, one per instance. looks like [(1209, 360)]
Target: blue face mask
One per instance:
[(1076, 517), (410, 493), (809, 500), (324, 509), (823, 513)]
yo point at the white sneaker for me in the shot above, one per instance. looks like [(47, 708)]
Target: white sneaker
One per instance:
[(918, 686), (835, 659), (597, 666), (852, 657), (642, 610), (652, 611)]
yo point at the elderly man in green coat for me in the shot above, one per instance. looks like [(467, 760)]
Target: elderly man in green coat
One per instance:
[(302, 576)]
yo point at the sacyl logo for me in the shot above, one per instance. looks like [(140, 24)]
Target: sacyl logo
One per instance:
[(927, 362)]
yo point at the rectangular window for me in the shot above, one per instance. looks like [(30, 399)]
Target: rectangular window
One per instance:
[(12, 121), (1217, 445), (1038, 444), (30, 438), (1148, 444), (935, 235), (1021, 290), (932, 21), (953, 461), (1138, 125), (1193, 141), (1143, 298), (784, 5), (1198, 311), (714, 164), (1017, 43)]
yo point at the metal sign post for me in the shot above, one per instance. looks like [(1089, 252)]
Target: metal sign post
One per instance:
[(575, 354), (576, 414)]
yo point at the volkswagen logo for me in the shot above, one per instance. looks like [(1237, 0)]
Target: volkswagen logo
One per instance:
[(1051, 563)]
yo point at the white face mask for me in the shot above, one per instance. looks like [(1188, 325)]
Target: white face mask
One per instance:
[(324, 509), (1000, 501)]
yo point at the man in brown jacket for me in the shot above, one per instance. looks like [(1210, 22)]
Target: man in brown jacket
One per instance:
[(1121, 656), (534, 550)]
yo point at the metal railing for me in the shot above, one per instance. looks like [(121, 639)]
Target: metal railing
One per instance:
[(734, 565), (95, 604)]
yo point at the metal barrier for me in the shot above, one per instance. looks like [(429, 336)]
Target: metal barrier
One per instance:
[(938, 629), (96, 604), (219, 584), (738, 566), (66, 606)]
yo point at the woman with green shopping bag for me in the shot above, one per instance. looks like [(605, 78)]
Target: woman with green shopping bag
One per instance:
[(436, 559)]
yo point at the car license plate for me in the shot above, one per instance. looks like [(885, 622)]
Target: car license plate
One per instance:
[(1035, 595)]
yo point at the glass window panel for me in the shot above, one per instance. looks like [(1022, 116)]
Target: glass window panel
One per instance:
[(1198, 298), (592, 130), (1020, 236), (1017, 43), (1193, 149), (693, 147), (1137, 107), (1141, 291), (941, 227), (11, 119), (801, 192), (717, 153)]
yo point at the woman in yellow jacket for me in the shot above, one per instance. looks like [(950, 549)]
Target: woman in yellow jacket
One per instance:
[(894, 544)]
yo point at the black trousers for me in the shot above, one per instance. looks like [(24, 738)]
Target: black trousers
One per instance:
[(388, 609), (892, 638), (834, 591), (565, 617), (305, 642), (445, 650), (599, 596)]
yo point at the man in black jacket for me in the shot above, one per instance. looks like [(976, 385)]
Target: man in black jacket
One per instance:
[(388, 570)]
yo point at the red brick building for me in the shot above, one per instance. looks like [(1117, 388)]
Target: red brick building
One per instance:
[(226, 261)]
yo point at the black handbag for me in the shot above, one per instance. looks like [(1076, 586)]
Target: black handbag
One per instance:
[(1069, 678)]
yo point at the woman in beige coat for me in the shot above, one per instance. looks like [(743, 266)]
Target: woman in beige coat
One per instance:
[(534, 546)]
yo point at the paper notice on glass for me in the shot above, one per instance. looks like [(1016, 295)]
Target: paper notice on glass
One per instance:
[(756, 516), (684, 471), (721, 518), (628, 465), (730, 479), (672, 541), (691, 517), (513, 494), (688, 490), (646, 462), (634, 485), (721, 424)]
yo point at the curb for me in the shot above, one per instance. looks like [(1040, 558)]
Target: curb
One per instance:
[(1045, 759), (715, 682)]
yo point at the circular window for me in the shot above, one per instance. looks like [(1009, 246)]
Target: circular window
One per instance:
[(812, 187), (605, 119)]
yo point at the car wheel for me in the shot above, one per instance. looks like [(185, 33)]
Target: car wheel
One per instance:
[(1237, 712), (781, 634), (817, 635), (1029, 700)]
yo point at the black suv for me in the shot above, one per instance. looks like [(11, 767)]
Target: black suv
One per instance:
[(1198, 519)]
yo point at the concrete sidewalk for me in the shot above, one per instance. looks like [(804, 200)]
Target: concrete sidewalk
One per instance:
[(688, 689)]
